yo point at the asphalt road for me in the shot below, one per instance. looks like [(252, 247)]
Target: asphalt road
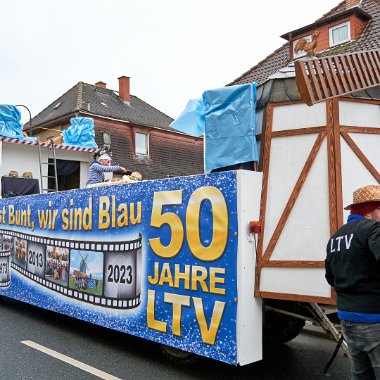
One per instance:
[(126, 357)]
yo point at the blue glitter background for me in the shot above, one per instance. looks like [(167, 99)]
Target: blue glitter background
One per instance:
[(134, 321)]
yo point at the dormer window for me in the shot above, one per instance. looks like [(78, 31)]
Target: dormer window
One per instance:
[(339, 33), (333, 30)]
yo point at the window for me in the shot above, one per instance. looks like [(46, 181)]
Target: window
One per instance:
[(141, 144), (298, 46), (339, 33)]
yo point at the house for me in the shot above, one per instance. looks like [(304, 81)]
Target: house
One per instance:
[(353, 25), (141, 138), (314, 156)]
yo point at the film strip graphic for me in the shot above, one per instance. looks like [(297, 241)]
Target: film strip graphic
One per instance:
[(5, 278), (106, 274)]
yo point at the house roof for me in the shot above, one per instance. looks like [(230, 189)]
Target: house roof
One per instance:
[(369, 39), (93, 100), (328, 19)]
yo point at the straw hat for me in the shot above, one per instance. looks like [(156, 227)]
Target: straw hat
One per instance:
[(369, 193), (27, 175), (13, 173), (133, 177)]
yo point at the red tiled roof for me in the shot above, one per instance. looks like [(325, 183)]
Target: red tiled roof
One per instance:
[(369, 39)]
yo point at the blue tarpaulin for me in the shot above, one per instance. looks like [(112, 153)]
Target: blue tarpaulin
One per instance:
[(226, 116), (80, 133), (191, 120), (10, 123)]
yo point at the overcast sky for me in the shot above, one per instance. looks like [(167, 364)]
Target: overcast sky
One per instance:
[(173, 50)]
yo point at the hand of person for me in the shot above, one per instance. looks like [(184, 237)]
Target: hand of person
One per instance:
[(125, 171)]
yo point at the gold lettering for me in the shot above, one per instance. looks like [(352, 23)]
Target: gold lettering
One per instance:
[(135, 219), (166, 275), (154, 280), (122, 220), (177, 301), (87, 216), (151, 321), (104, 218), (185, 276), (198, 275), (208, 333), (65, 221), (217, 280)]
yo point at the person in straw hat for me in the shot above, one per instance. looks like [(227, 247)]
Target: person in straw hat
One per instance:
[(353, 269), (97, 168)]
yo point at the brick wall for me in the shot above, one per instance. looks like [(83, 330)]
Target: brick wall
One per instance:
[(356, 25), (170, 154)]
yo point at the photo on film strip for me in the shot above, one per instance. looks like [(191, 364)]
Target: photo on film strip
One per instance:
[(7, 243), (5, 256), (19, 251), (57, 264), (86, 271)]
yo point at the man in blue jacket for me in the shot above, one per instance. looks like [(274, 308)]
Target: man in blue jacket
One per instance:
[(98, 168), (353, 269)]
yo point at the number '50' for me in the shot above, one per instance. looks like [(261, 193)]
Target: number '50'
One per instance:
[(193, 223)]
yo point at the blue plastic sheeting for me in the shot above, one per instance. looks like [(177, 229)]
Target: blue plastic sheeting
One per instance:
[(80, 133), (10, 125), (226, 116), (191, 120)]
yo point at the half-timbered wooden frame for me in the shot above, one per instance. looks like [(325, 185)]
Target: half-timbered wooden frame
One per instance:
[(312, 158)]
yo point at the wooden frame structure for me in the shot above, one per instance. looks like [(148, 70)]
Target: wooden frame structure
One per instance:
[(323, 78), (306, 201)]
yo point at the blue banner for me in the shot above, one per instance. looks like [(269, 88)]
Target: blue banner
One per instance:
[(155, 259)]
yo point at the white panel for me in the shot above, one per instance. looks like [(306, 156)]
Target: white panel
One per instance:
[(249, 308), (359, 114), (302, 281), (12, 152), (354, 173), (297, 116), (22, 158), (369, 145), (259, 121), (307, 229), (288, 156), (84, 166)]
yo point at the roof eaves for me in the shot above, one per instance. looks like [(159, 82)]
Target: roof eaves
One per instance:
[(323, 21)]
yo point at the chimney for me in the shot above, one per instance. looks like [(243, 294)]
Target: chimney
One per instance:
[(124, 91), (101, 84), (352, 3)]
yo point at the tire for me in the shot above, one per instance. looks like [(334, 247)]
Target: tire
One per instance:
[(178, 357), (280, 328)]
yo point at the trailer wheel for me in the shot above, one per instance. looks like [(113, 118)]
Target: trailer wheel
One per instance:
[(178, 357), (280, 328)]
